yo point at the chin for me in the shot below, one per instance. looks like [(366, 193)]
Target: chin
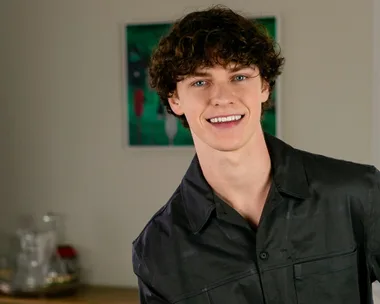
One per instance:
[(226, 146), (223, 142)]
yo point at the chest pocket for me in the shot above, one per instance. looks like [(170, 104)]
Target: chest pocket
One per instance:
[(242, 289), (332, 280)]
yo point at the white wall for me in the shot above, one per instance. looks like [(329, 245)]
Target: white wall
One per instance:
[(376, 102), (376, 84), (62, 113)]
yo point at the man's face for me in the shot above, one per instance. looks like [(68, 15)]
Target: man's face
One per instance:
[(222, 105)]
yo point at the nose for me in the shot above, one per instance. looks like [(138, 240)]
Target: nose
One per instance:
[(221, 94)]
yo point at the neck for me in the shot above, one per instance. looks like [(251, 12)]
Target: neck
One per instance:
[(239, 177)]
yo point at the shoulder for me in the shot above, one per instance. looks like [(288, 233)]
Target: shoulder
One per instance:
[(160, 232), (334, 173), (160, 224)]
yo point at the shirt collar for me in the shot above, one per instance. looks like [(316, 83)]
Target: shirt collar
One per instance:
[(289, 178)]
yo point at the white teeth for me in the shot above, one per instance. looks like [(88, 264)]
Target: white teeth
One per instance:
[(225, 118)]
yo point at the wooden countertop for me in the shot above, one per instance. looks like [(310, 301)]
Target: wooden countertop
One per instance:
[(105, 295), (90, 295)]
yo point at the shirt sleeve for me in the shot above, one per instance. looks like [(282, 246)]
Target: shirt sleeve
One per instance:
[(372, 226)]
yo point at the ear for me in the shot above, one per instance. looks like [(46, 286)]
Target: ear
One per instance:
[(175, 104), (264, 91)]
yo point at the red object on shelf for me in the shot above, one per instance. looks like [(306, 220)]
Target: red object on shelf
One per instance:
[(66, 251)]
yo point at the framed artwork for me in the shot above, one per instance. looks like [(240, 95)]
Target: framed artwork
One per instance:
[(148, 123)]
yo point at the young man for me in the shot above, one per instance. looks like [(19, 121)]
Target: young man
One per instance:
[(254, 220)]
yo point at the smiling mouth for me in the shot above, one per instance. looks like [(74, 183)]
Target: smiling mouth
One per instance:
[(225, 119)]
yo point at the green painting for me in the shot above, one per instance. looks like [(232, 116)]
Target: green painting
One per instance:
[(148, 122)]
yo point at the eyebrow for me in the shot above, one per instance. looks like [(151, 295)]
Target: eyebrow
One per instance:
[(231, 70)]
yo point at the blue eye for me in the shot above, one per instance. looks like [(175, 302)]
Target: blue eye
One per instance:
[(199, 83), (240, 77)]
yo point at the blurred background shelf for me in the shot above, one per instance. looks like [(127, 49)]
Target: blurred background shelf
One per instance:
[(87, 294)]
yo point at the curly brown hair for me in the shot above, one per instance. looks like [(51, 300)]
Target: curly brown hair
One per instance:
[(215, 36)]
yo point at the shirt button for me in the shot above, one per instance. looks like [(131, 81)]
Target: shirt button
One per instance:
[(264, 255)]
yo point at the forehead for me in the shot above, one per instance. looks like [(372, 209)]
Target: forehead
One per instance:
[(230, 67), (216, 70)]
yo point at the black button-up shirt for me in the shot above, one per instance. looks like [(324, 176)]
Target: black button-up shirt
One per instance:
[(318, 240)]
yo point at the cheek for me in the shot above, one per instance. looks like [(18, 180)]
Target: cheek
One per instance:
[(193, 109), (196, 101), (252, 98), (200, 95)]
